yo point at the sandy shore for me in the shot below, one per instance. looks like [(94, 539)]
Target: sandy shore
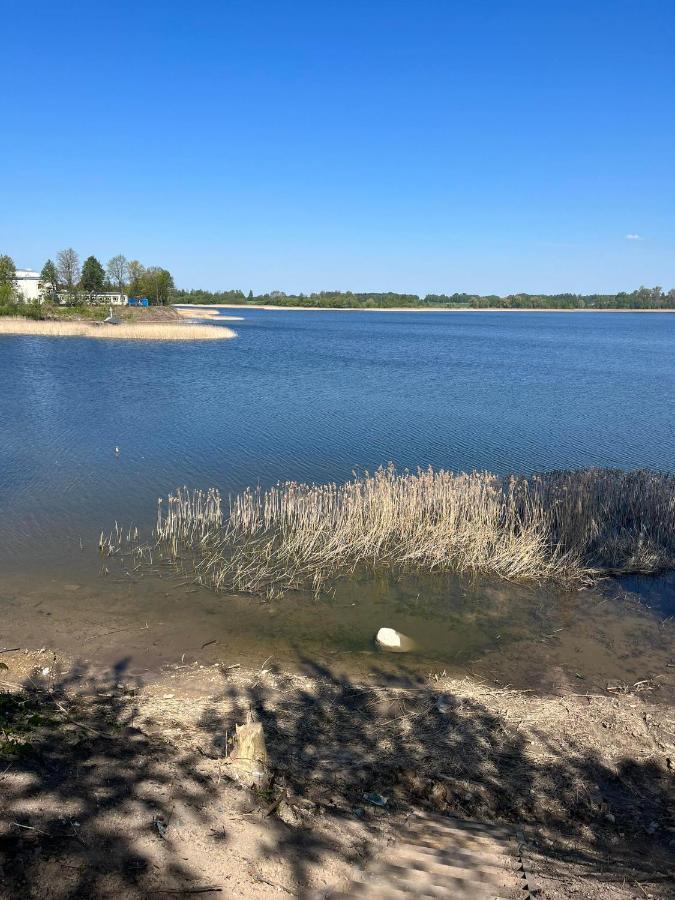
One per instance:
[(198, 312), (118, 788), (137, 331)]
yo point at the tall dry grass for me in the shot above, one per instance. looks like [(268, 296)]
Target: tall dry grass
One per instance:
[(136, 331), (567, 526)]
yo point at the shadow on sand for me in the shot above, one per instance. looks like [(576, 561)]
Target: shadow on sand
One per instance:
[(89, 795)]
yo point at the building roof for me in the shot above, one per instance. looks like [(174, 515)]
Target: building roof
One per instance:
[(27, 273)]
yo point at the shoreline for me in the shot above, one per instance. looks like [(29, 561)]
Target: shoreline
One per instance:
[(136, 331), (207, 314), (401, 309)]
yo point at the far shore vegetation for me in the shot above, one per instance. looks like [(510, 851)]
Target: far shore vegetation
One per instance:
[(67, 284), (569, 527), (644, 298)]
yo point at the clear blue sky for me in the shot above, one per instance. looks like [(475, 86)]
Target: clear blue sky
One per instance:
[(428, 146)]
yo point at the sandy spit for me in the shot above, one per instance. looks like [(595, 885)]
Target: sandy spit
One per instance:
[(208, 313), (156, 331)]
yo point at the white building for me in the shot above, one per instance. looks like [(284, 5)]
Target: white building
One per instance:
[(31, 289), (110, 298), (114, 298), (27, 283)]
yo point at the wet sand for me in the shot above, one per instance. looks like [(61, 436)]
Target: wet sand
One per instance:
[(534, 638), (521, 705)]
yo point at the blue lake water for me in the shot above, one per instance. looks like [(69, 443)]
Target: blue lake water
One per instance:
[(315, 395)]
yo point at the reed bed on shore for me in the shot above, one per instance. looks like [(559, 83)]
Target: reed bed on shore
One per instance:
[(136, 331), (570, 527)]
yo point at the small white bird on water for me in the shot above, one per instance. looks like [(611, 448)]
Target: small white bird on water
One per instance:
[(117, 451)]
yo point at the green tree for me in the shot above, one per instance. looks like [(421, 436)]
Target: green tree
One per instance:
[(92, 279), (8, 292), (49, 275), (7, 270), (156, 284), (49, 279), (135, 272)]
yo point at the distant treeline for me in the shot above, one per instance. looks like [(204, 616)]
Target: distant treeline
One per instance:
[(643, 298)]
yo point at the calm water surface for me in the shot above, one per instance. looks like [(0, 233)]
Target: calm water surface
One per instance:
[(315, 396)]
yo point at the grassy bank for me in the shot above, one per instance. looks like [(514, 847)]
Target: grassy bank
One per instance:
[(142, 331), (89, 312), (47, 311), (567, 526)]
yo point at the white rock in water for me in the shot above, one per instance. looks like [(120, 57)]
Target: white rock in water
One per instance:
[(390, 639)]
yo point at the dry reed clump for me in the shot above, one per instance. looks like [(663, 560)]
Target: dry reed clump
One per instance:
[(566, 526), (151, 331)]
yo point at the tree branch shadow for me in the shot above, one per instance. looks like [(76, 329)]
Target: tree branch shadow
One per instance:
[(84, 790), (89, 798), (343, 745)]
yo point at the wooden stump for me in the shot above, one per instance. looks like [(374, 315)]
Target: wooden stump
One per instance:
[(249, 755)]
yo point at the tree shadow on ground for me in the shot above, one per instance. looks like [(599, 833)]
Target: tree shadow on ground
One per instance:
[(88, 794), (83, 789), (340, 744)]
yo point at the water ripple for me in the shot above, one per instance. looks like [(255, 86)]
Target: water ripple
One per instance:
[(315, 395)]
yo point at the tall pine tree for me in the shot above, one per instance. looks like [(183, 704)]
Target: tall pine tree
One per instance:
[(92, 279)]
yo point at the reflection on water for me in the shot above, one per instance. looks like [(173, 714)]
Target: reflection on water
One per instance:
[(528, 637)]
